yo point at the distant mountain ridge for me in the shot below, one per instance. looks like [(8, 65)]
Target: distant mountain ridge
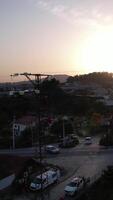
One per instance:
[(104, 79), (61, 77)]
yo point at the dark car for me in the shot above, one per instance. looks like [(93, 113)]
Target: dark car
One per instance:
[(68, 142)]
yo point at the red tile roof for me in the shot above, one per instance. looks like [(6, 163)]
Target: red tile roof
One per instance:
[(26, 120)]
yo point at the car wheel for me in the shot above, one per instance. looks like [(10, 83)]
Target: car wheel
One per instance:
[(75, 193)]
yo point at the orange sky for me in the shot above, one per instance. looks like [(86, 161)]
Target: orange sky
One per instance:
[(60, 36)]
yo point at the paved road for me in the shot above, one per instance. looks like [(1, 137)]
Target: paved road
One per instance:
[(80, 149), (82, 160)]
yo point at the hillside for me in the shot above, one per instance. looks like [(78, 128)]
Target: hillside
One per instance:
[(104, 79)]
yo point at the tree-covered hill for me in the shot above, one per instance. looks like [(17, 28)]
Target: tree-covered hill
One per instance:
[(104, 79)]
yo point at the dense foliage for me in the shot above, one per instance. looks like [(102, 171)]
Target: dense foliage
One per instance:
[(102, 188), (53, 101), (107, 140)]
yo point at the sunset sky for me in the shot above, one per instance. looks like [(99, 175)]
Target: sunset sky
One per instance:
[(55, 36)]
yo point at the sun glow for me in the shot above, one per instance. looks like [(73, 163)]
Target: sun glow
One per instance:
[(97, 53)]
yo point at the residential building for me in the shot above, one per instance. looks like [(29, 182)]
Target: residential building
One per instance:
[(23, 123)]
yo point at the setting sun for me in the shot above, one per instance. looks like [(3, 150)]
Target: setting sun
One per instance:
[(97, 53)]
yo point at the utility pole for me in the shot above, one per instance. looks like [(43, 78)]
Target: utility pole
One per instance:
[(63, 130), (36, 83), (13, 133)]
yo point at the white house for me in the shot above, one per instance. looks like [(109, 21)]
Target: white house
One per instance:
[(21, 124)]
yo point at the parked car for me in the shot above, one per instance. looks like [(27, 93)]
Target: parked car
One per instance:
[(68, 142), (76, 185), (88, 140), (42, 181), (52, 149), (73, 136)]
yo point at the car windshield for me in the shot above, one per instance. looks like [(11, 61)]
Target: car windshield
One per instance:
[(37, 180), (51, 148), (72, 184), (88, 139)]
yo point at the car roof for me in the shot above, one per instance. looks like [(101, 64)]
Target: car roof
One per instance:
[(45, 174), (87, 137), (76, 179), (50, 146)]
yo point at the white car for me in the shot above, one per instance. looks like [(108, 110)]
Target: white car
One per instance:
[(74, 186), (88, 140), (42, 181), (52, 149)]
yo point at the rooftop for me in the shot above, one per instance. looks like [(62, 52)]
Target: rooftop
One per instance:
[(26, 120)]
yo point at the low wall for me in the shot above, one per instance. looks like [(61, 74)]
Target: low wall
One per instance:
[(6, 182)]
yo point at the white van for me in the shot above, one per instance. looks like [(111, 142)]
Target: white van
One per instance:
[(47, 178), (88, 140)]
